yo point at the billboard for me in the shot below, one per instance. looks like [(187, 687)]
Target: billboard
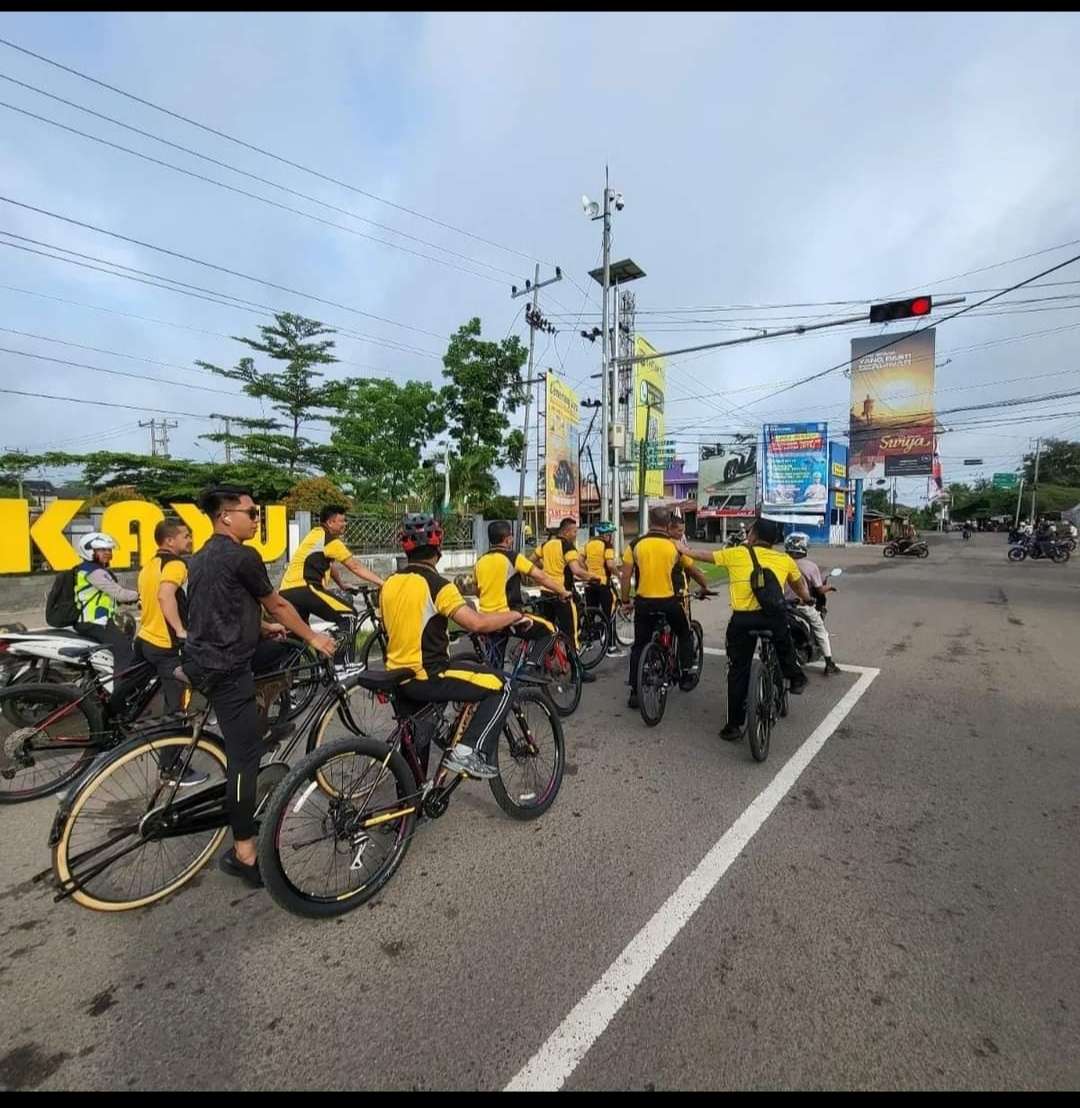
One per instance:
[(796, 468), (727, 478), (892, 406), (648, 413), (562, 484)]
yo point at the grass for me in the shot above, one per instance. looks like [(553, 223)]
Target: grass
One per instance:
[(713, 574)]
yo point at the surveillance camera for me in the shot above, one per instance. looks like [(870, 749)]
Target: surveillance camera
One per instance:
[(558, 271), (619, 202), (513, 290)]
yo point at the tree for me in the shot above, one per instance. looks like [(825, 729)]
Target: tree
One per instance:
[(312, 494), (485, 387), (379, 433), (297, 391), (1059, 463)]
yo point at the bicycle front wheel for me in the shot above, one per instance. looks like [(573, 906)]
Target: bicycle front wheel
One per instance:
[(652, 683), (594, 638), (698, 634), (337, 828), (759, 711), (49, 734), (564, 676), (531, 757), (303, 668), (623, 625), (113, 850)]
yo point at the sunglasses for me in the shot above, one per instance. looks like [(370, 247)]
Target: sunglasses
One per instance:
[(252, 513)]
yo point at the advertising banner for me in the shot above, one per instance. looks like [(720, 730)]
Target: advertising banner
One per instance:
[(796, 466), (838, 475), (561, 453), (892, 406), (727, 478), (648, 415)]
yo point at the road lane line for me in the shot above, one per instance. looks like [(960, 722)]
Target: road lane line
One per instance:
[(844, 668), (560, 1055)]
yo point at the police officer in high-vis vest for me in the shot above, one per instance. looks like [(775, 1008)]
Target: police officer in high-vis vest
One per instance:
[(97, 594)]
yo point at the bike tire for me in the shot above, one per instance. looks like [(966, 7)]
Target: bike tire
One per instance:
[(302, 787), (924, 552), (623, 626), (520, 746), (101, 787), (889, 551), (374, 653), (698, 633), (24, 707), (594, 638), (1017, 553), (359, 712), (563, 687), (304, 671), (652, 683), (1060, 556), (758, 711)]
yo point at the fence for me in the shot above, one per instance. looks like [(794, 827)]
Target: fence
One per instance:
[(373, 534)]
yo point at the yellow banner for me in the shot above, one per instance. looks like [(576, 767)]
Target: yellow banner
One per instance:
[(131, 523), (561, 452), (648, 412)]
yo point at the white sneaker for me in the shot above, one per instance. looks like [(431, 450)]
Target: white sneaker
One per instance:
[(463, 759)]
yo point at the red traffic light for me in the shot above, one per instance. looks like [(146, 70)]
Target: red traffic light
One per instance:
[(900, 309)]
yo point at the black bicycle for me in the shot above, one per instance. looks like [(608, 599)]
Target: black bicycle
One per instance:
[(768, 698), (659, 667), (338, 827), (126, 834)]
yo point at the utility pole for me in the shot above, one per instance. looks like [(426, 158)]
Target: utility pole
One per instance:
[(1035, 480), (1019, 505), (159, 435), (643, 470), (607, 423), (583, 444), (228, 442), (535, 321), (446, 478)]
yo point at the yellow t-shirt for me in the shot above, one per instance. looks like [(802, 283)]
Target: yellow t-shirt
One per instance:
[(737, 562), (416, 605), (656, 559), (600, 559), (155, 628), (556, 555), (310, 564), (498, 580)]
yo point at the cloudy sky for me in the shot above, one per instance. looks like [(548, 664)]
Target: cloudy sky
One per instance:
[(772, 166)]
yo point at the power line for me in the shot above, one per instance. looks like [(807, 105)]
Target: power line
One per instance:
[(105, 404), (267, 153), (213, 265), (262, 199)]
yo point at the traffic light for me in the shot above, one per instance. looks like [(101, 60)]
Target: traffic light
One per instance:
[(900, 309)]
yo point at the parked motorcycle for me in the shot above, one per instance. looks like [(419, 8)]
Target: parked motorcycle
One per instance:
[(48, 656), (802, 634), (917, 549)]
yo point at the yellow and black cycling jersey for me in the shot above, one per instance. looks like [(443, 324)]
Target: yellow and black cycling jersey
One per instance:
[(498, 580), (740, 568), (600, 559), (416, 605), (655, 560), (154, 628), (557, 554), (310, 563)]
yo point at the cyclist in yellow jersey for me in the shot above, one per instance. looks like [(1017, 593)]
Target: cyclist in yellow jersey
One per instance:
[(561, 559), (315, 562), (600, 562), (652, 559), (416, 606), (747, 616), (498, 583), (677, 531)]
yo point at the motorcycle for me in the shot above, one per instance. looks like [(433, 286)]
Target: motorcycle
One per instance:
[(916, 549), (802, 634), (51, 656), (742, 464), (967, 533), (1057, 552)]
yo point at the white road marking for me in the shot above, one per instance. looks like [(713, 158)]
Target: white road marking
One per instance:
[(846, 669), (556, 1060)]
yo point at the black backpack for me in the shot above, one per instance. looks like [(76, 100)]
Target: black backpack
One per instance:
[(60, 607), (766, 588)]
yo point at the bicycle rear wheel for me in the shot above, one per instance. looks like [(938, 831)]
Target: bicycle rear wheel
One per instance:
[(759, 710), (594, 638), (373, 656), (652, 683), (337, 828), (623, 626), (698, 634), (564, 676), (531, 757), (113, 850), (49, 734), (302, 666)]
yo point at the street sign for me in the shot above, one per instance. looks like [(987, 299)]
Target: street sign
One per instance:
[(973, 461), (1005, 480)]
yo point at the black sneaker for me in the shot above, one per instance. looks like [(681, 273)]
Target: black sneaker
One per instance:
[(798, 684), (633, 701), (732, 732), (232, 865), (587, 677), (831, 667)]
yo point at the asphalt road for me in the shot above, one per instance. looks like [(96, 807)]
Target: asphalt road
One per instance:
[(903, 917)]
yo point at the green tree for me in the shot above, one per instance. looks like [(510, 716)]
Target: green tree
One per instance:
[(877, 500), (1059, 463), (312, 494), (379, 432), (297, 391)]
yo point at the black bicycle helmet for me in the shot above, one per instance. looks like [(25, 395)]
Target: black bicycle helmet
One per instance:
[(420, 529)]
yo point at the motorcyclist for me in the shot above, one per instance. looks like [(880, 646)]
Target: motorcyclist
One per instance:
[(1044, 537), (967, 530), (797, 544), (908, 535)]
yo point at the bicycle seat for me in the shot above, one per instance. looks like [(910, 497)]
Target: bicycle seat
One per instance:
[(760, 634), (382, 680)]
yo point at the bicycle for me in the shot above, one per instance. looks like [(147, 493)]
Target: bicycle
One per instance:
[(339, 825), (561, 663), (125, 836), (594, 631), (767, 698), (659, 667)]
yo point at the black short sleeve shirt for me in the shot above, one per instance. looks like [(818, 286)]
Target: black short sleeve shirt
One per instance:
[(226, 581)]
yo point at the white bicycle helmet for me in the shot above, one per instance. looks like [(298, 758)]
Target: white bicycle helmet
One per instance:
[(96, 540), (797, 544)]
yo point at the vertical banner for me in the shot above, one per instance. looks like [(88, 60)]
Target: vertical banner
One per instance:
[(892, 406), (648, 414), (561, 452), (838, 476), (796, 469)]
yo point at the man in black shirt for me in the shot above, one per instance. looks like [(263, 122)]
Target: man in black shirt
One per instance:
[(227, 591)]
